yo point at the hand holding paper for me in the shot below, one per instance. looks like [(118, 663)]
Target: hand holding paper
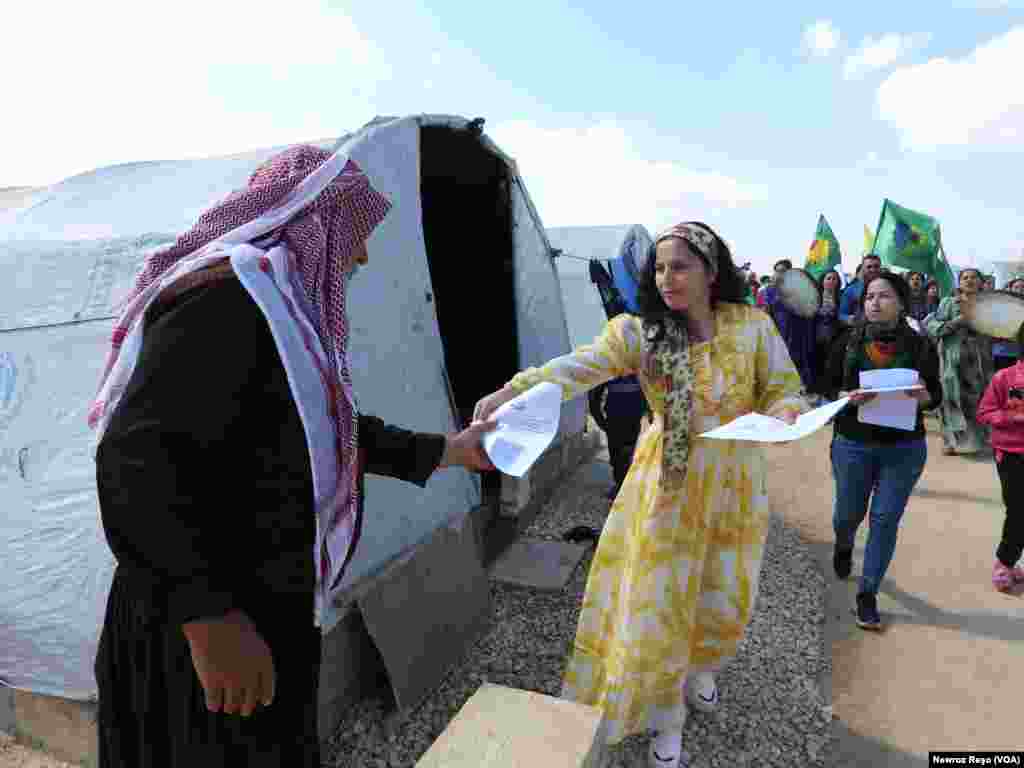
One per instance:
[(526, 426), (465, 449), (892, 407), (758, 428)]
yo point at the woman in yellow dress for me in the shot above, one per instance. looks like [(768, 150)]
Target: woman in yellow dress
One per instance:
[(673, 581)]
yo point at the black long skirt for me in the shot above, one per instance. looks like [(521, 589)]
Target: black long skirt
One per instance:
[(152, 709)]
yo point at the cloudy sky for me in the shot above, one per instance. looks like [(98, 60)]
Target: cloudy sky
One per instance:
[(753, 117)]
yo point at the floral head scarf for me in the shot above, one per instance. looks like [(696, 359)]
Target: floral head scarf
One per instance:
[(667, 358)]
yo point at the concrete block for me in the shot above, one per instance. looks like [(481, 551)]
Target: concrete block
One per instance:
[(483, 519), (507, 728), (537, 563), (350, 670), (516, 491), (425, 614)]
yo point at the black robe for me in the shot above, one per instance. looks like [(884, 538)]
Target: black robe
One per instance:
[(206, 495)]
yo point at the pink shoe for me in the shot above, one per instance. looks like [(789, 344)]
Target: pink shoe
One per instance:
[(1004, 578)]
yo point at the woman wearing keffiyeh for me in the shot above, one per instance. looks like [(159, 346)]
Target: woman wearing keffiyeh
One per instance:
[(673, 582), (229, 465)]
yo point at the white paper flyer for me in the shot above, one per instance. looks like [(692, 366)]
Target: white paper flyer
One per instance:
[(889, 380), (526, 426), (892, 407), (758, 428)]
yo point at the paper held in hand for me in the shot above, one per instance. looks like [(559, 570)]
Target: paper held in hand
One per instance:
[(891, 407), (526, 426), (758, 428)]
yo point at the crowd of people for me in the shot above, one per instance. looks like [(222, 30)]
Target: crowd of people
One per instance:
[(230, 474), (980, 413)]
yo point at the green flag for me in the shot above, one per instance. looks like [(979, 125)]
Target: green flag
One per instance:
[(912, 240), (824, 254), (944, 274)]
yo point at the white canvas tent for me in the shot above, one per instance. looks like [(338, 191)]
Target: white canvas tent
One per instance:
[(583, 309), (460, 292)]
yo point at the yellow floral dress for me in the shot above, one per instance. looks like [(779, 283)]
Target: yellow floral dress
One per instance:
[(673, 582)]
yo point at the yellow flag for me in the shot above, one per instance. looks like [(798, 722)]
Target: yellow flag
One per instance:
[(869, 239), (818, 255)]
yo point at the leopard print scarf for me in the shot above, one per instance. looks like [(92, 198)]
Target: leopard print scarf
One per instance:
[(668, 360)]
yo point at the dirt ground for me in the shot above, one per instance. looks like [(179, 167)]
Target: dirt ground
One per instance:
[(17, 756), (939, 676)]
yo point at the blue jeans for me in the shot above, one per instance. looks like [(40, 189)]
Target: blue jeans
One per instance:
[(891, 472)]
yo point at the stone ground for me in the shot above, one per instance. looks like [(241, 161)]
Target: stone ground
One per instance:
[(945, 674)]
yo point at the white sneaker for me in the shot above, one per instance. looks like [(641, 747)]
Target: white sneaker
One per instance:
[(702, 692), (666, 751)]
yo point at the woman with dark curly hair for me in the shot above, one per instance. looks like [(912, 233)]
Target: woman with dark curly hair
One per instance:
[(871, 463), (932, 299), (918, 296), (674, 579)]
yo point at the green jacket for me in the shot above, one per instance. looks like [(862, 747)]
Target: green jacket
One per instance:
[(951, 332)]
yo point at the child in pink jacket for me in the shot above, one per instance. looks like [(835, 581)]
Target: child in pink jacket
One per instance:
[(1002, 408)]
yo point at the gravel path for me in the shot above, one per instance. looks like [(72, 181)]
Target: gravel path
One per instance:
[(772, 713)]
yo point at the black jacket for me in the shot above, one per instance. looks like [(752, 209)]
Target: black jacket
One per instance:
[(840, 377), (203, 474)]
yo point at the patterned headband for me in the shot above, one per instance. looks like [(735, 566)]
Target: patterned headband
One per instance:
[(702, 241)]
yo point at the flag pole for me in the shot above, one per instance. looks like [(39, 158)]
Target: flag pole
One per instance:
[(881, 218)]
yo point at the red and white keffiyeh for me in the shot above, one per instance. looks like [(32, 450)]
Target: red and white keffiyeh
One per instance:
[(321, 208)]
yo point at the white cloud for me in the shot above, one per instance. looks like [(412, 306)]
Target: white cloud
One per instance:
[(122, 81), (875, 54), (821, 38), (597, 175), (977, 100)]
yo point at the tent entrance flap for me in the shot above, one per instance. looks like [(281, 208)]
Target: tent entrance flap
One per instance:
[(468, 231)]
